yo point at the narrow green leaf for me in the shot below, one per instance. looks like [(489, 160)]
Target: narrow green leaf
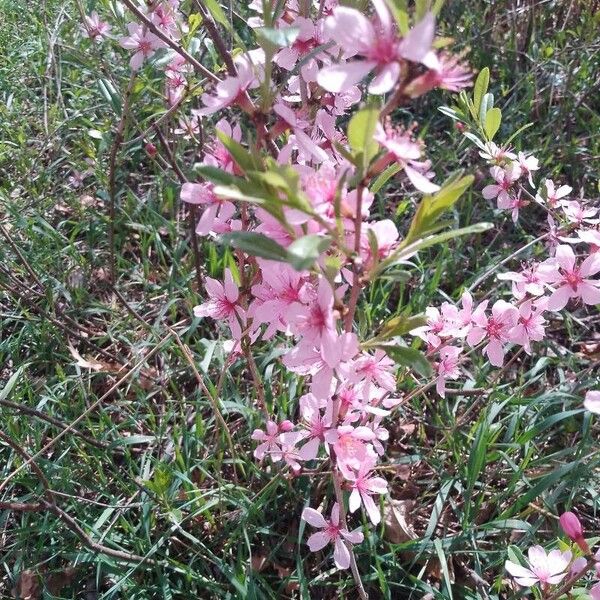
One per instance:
[(493, 118), (361, 130), (217, 13), (245, 160), (408, 357), (276, 38), (255, 244), (481, 87), (385, 177), (215, 175), (10, 384), (303, 252)]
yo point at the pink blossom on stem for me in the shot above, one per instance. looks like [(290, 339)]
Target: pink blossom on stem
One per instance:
[(217, 213), (572, 280), (505, 178), (528, 164), (377, 42), (332, 532), (446, 72), (143, 42), (222, 304), (447, 368), (495, 329), (551, 196), (94, 28), (578, 213), (270, 439), (529, 327), (363, 486), (543, 568), (406, 150)]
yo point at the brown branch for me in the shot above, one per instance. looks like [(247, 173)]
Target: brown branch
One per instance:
[(167, 40)]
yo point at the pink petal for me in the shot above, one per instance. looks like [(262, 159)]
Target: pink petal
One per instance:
[(385, 80), (371, 508), (314, 517), (495, 353), (341, 554), (592, 402), (231, 289), (420, 181), (317, 541), (590, 294), (591, 265), (350, 29), (559, 298), (354, 502), (354, 537), (341, 77), (565, 257), (417, 42)]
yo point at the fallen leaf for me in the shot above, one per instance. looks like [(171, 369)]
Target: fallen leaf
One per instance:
[(56, 582), (397, 521), (85, 363), (28, 585)]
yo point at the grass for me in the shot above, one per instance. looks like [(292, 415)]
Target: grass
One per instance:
[(145, 467)]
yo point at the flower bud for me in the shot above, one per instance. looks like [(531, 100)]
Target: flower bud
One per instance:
[(286, 426), (150, 149), (572, 527)]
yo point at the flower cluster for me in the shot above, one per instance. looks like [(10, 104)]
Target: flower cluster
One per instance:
[(548, 569), (314, 177)]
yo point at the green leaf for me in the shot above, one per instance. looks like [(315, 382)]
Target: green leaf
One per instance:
[(401, 325), (481, 87), (385, 177), (255, 244), (399, 8), (517, 132), (271, 38), (10, 384), (431, 207), (493, 118), (303, 252), (487, 103), (245, 160), (408, 357), (217, 13), (405, 252), (215, 175), (361, 130), (107, 89)]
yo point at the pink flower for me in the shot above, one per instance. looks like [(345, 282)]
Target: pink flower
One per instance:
[(530, 280), (551, 196), (270, 439), (497, 154), (94, 28), (577, 213), (446, 72), (495, 328), (447, 368), (217, 213), (315, 322), (544, 568), (505, 177), (376, 369), (363, 486), (592, 401), (281, 287), (315, 425), (350, 446), (528, 164), (332, 533), (223, 304), (405, 149), (142, 41), (232, 89), (573, 280), (378, 43), (529, 327), (571, 525)]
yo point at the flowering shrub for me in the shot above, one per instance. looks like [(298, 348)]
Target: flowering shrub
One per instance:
[(297, 138)]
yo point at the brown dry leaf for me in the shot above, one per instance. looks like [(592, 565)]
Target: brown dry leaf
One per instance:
[(28, 586), (56, 582), (86, 363), (397, 521), (258, 562)]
